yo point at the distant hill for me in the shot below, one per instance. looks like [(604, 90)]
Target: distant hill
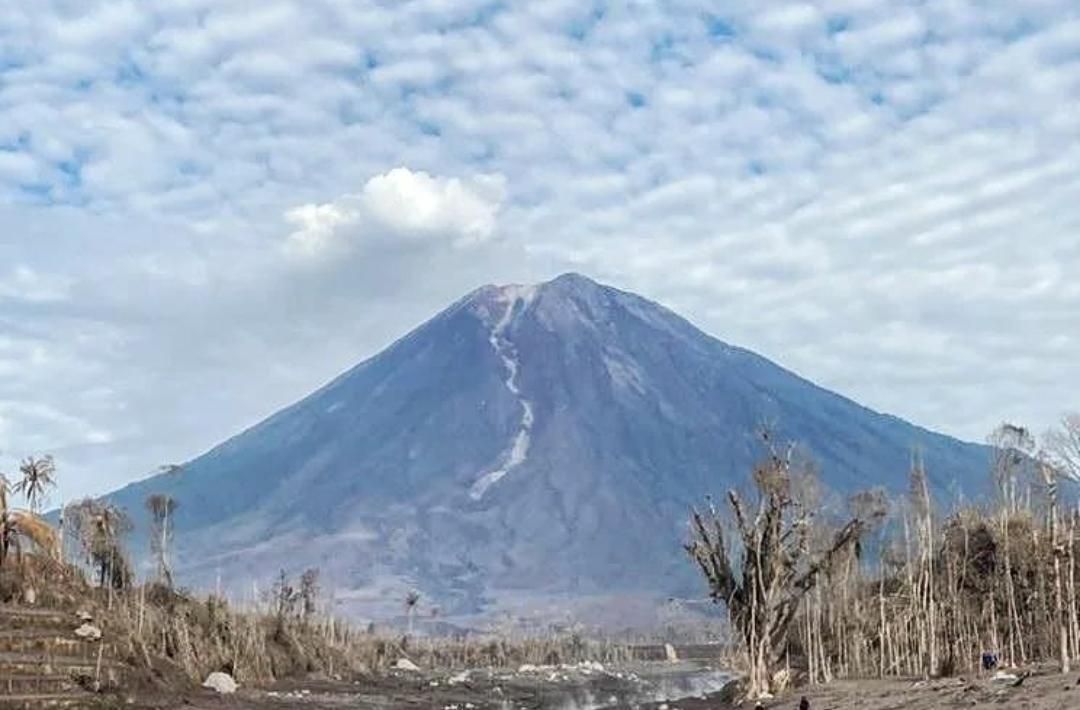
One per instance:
[(528, 445)]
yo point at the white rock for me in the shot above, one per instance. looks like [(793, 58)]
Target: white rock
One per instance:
[(781, 680), (404, 664), (527, 668), (1003, 677), (88, 632), (462, 677), (221, 683)]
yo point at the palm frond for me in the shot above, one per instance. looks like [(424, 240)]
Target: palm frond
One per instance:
[(37, 530)]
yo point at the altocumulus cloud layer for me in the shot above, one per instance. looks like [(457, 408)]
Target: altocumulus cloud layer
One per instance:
[(208, 208)]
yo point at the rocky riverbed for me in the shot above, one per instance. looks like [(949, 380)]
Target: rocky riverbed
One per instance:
[(586, 686), (642, 686)]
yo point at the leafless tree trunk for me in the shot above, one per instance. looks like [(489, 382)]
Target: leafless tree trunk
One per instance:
[(162, 509), (778, 568)]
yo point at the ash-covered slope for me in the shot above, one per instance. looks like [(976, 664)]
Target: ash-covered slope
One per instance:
[(539, 440)]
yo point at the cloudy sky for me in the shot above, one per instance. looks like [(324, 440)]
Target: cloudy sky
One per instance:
[(210, 207)]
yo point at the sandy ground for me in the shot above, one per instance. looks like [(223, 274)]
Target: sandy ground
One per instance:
[(1044, 690)]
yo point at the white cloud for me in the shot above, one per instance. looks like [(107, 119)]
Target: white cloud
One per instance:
[(400, 204), (419, 204), (18, 168), (23, 283), (791, 22), (316, 227)]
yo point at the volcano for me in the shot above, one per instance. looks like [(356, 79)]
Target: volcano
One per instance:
[(527, 443)]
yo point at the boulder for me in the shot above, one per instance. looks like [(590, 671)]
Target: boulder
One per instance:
[(221, 683), (404, 664), (462, 677), (88, 632), (781, 680)]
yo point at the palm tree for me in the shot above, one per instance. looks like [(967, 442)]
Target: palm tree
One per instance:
[(37, 478), (411, 600)]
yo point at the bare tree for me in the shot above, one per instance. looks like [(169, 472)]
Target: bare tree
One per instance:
[(309, 593), (38, 477), (1061, 460), (922, 575), (284, 597), (7, 531), (162, 507), (1062, 446), (1057, 552), (763, 577), (100, 528), (1012, 447)]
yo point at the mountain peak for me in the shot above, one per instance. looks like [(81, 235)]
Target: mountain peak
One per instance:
[(572, 279), (500, 304), (567, 282)]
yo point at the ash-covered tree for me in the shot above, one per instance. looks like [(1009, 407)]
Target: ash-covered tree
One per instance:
[(1062, 446), (284, 598), (19, 527), (1012, 462), (7, 528), (309, 593), (100, 528), (1059, 461), (162, 508), (762, 572), (1012, 457)]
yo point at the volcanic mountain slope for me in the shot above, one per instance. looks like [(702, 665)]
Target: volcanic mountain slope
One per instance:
[(541, 440)]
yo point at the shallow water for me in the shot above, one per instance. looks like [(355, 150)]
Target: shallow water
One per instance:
[(659, 682)]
